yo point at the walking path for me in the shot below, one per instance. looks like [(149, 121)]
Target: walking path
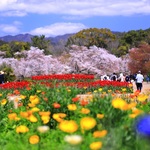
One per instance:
[(145, 88)]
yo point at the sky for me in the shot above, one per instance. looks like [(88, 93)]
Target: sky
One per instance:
[(58, 17)]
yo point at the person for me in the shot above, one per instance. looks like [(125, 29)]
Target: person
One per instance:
[(113, 77), (1, 77), (147, 78), (139, 81), (105, 77), (121, 77), (127, 78)]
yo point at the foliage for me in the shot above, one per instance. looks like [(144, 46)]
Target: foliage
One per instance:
[(42, 43), (8, 72), (11, 48), (139, 59), (92, 36), (133, 38)]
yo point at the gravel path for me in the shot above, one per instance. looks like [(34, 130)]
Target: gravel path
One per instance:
[(145, 89)]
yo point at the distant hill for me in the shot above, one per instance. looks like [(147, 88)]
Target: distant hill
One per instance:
[(55, 40), (19, 37), (27, 38)]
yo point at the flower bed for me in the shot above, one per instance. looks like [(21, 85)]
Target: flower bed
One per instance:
[(56, 118)]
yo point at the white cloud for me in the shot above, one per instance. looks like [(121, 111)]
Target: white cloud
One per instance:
[(5, 4), (58, 29), (77, 7), (13, 13), (10, 28)]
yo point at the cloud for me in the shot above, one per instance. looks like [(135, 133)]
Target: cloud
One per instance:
[(6, 4), (86, 8), (13, 13), (58, 29), (10, 28)]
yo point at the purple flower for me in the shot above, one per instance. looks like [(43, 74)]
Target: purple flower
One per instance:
[(143, 126)]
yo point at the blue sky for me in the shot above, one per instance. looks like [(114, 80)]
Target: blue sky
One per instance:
[(59, 17)]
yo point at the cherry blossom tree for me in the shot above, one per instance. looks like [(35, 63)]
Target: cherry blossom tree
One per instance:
[(79, 59)]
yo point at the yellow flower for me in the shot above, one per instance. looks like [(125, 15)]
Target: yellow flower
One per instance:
[(22, 96), (38, 91), (69, 126), (13, 116), (3, 102), (34, 99), (85, 111), (130, 85), (34, 139), (35, 109), (31, 105), (124, 89), (45, 119), (44, 113), (87, 123), (95, 145), (73, 139), (69, 90), (119, 103), (59, 117), (142, 97), (100, 116), (99, 134), (133, 115), (100, 89), (72, 107), (132, 105), (24, 114), (135, 112), (1, 94), (22, 129), (45, 116), (32, 118), (109, 91), (43, 129)]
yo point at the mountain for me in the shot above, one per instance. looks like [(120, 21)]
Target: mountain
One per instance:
[(27, 38), (19, 37), (55, 40)]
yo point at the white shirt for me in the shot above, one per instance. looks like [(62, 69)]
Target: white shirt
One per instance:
[(139, 78)]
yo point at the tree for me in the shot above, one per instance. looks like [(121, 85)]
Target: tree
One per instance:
[(134, 38), (6, 48), (140, 59), (13, 47), (92, 36), (122, 50), (18, 46), (41, 43), (2, 42)]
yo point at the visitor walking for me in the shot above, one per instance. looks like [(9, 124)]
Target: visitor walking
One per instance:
[(139, 81), (1, 77), (147, 78), (113, 77)]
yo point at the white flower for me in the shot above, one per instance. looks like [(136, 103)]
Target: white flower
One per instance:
[(43, 129), (15, 99), (73, 139)]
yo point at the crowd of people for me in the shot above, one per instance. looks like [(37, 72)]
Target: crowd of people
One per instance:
[(119, 77), (138, 78)]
